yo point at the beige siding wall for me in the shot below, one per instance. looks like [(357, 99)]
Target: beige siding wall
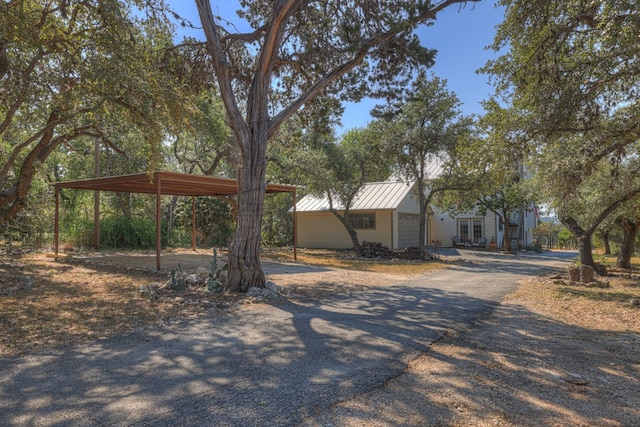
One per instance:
[(441, 227), (409, 204), (324, 230)]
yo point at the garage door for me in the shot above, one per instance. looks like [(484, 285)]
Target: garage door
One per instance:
[(408, 230)]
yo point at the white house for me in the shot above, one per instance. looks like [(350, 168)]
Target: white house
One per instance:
[(385, 212), (388, 212)]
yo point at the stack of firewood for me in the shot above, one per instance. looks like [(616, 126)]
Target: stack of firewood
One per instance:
[(375, 250), (412, 252)]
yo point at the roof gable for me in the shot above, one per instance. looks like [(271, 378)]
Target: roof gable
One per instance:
[(372, 196)]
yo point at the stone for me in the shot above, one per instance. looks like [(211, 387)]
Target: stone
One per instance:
[(586, 274), (191, 279), (574, 274), (272, 287)]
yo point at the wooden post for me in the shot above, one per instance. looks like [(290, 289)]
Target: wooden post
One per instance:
[(193, 223), (158, 231), (56, 223), (295, 227), (96, 197)]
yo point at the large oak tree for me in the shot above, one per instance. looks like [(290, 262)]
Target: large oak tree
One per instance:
[(74, 70), (299, 50), (571, 79), (423, 136)]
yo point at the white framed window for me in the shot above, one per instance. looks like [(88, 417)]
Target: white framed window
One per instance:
[(471, 230)]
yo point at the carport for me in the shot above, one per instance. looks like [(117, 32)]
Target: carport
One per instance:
[(164, 183)]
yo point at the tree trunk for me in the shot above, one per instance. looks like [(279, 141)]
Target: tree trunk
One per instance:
[(422, 230), (13, 200), (583, 238), (353, 234), (607, 246), (245, 269), (506, 236), (585, 249), (627, 247)]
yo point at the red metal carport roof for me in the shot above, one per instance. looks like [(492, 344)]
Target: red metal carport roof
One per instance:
[(165, 183)]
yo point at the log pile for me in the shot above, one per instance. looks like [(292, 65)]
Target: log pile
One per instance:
[(412, 252), (380, 251), (375, 250)]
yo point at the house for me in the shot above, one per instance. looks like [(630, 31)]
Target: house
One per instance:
[(385, 212), (388, 212)]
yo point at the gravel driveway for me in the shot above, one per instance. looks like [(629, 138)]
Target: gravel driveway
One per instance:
[(274, 364)]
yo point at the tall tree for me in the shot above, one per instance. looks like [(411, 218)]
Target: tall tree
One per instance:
[(69, 70), (571, 76), (609, 187), (299, 50), (629, 223), (338, 172), (423, 137)]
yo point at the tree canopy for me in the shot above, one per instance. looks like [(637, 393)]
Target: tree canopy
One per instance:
[(423, 136), (74, 70), (298, 55), (570, 77)]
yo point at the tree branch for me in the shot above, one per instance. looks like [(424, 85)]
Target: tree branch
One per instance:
[(354, 62)]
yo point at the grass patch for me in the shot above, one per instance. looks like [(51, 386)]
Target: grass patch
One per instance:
[(604, 309), (347, 260)]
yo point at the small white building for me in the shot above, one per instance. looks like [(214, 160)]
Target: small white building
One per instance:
[(385, 212), (388, 212)]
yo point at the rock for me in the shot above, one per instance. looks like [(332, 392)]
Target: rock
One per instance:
[(602, 270), (411, 252), (273, 287), (574, 273), (179, 300), (254, 292), (202, 274), (586, 274), (191, 279)]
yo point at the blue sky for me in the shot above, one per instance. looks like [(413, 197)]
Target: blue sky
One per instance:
[(459, 34)]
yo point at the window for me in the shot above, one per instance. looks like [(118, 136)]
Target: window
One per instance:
[(362, 220), (470, 230), (464, 229), (477, 229)]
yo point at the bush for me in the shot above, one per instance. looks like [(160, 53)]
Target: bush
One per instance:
[(132, 233)]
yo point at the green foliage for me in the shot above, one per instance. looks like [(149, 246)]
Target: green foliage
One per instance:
[(205, 141), (569, 78), (80, 71), (122, 232), (78, 232), (214, 220), (277, 222), (423, 136), (565, 238), (214, 283)]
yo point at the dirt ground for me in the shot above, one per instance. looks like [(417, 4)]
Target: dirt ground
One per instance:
[(552, 354)]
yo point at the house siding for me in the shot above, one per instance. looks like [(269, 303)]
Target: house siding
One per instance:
[(409, 204), (324, 230), (443, 227)]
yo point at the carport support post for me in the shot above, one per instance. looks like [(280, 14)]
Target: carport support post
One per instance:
[(295, 227), (158, 233), (193, 223), (56, 223)]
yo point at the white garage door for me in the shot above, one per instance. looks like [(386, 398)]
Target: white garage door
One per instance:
[(408, 230)]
